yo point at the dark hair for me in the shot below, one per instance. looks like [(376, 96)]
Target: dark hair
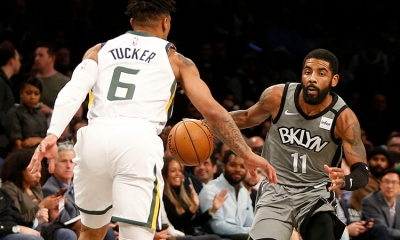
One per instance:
[(6, 53), (34, 81), (325, 55), (391, 136), (51, 47), (144, 11), (375, 151), (258, 150), (14, 164), (390, 170), (227, 154)]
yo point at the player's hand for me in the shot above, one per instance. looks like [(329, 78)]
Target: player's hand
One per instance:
[(255, 161), (336, 175), (47, 148), (219, 200)]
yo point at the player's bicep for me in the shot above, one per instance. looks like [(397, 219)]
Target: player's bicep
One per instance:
[(195, 88), (348, 129)]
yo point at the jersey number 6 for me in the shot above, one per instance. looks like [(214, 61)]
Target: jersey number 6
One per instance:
[(118, 88)]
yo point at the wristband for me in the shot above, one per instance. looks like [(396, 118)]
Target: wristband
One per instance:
[(358, 178)]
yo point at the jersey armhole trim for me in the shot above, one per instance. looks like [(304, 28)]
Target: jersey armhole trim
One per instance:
[(337, 141), (283, 101)]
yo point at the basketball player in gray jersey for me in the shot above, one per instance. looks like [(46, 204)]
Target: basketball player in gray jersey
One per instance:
[(311, 126)]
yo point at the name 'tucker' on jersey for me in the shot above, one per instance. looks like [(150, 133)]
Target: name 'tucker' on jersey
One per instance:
[(136, 80)]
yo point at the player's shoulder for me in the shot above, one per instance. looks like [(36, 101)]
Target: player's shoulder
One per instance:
[(92, 53)]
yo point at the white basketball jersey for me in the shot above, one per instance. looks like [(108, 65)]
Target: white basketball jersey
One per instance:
[(135, 80)]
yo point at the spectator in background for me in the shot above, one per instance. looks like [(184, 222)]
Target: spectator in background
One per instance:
[(393, 143), (381, 207), (75, 128), (181, 207), (25, 125), (10, 65), (206, 170), (52, 80), (378, 161), (63, 61), (234, 219), (25, 190), (255, 142), (12, 224), (63, 178)]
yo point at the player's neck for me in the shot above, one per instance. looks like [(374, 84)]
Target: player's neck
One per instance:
[(310, 109), (148, 30)]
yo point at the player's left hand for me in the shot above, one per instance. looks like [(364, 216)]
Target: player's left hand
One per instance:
[(47, 148), (336, 175)]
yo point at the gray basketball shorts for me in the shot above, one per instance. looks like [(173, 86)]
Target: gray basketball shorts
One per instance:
[(281, 208)]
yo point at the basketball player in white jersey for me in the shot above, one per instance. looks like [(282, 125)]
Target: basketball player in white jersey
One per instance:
[(119, 155), (310, 127)]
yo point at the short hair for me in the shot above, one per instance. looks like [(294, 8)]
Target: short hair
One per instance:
[(34, 81), (14, 164), (6, 53), (227, 154), (391, 136), (51, 47), (325, 55), (64, 146), (390, 170), (145, 11)]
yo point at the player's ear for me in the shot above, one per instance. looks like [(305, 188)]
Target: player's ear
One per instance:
[(335, 80), (132, 22), (165, 23)]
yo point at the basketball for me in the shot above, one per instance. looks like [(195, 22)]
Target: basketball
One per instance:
[(191, 142)]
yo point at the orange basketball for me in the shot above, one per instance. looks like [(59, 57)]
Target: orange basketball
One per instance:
[(191, 142)]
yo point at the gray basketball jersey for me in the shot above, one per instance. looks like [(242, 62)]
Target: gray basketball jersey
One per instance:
[(298, 146)]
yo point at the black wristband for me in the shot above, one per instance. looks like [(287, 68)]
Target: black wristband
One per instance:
[(358, 178)]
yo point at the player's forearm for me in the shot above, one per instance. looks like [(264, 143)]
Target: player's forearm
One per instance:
[(227, 131)]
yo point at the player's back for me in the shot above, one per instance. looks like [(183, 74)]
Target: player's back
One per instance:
[(135, 80)]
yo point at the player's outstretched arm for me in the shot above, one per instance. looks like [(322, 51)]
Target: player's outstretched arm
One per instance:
[(267, 105), (67, 103), (348, 129), (219, 120)]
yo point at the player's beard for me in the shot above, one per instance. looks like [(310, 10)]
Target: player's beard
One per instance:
[(321, 93)]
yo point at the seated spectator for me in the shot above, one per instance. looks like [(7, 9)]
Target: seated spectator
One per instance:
[(25, 190), (355, 226), (381, 207), (62, 178), (169, 232), (12, 224), (393, 143), (235, 218), (378, 161), (25, 125), (181, 208), (205, 171)]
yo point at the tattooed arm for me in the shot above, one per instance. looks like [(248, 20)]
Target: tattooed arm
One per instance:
[(348, 129), (267, 105), (219, 120)]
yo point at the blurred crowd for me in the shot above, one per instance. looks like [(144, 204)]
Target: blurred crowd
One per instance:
[(240, 47)]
